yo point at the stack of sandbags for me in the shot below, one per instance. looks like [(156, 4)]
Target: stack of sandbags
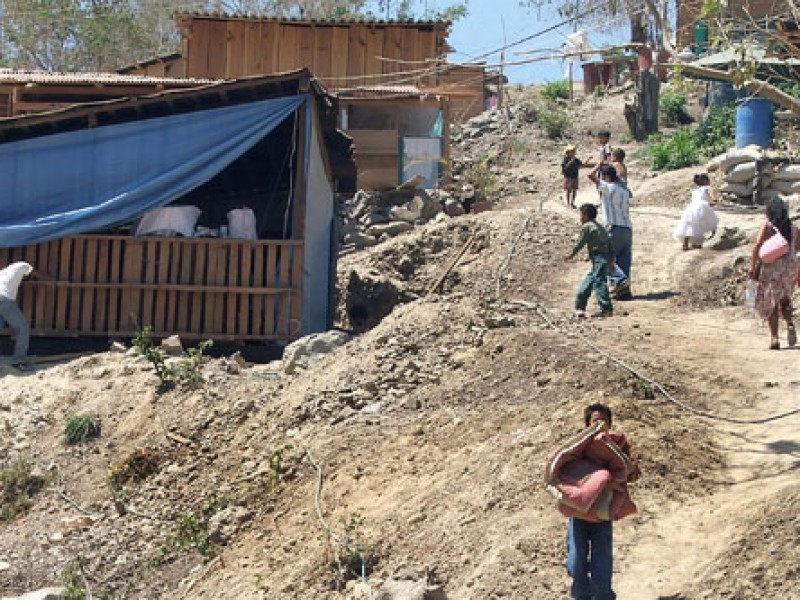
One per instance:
[(740, 172), (785, 182)]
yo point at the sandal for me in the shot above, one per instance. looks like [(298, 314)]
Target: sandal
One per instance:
[(775, 345), (791, 335)]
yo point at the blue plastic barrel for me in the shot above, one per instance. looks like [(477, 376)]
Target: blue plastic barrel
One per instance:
[(754, 123)]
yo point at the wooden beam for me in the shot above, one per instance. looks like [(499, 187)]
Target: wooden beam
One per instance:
[(770, 92), (754, 86)]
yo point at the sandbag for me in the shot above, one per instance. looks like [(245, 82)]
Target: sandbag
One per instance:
[(786, 187), (242, 224), (738, 189), (734, 157), (788, 173), (169, 221), (741, 173)]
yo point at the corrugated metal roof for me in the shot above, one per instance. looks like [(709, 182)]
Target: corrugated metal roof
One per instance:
[(366, 20), (382, 90), (11, 76)]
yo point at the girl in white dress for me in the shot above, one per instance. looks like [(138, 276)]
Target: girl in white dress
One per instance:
[(698, 217)]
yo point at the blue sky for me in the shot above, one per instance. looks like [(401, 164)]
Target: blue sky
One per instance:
[(481, 31)]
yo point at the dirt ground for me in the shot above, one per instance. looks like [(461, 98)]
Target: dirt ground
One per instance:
[(418, 445)]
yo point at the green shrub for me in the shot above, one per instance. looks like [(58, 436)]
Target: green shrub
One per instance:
[(480, 175), (717, 133), (18, 485), (555, 122), (555, 90), (81, 428), (790, 87), (674, 153), (672, 107), (185, 371), (599, 91)]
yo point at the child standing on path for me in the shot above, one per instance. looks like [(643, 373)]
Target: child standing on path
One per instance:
[(603, 143), (618, 162), (698, 217), (590, 543), (595, 237), (569, 169)]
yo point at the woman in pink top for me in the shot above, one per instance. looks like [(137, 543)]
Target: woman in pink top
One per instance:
[(776, 280)]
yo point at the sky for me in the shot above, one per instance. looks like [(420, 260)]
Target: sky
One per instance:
[(481, 31)]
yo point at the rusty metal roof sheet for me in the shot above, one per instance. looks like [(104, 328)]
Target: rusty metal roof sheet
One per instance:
[(11, 76)]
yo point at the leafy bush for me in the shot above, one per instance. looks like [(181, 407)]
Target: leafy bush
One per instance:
[(187, 371), (81, 428), (599, 91), (674, 153), (480, 175), (555, 90), (555, 122), (672, 107), (717, 132), (18, 485), (790, 87), (143, 342)]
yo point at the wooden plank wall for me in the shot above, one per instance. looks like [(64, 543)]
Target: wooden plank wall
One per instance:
[(465, 85), (340, 54), (219, 289)]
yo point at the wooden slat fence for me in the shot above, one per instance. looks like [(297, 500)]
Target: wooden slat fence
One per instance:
[(222, 289)]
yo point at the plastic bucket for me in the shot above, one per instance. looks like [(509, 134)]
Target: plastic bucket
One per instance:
[(754, 123)]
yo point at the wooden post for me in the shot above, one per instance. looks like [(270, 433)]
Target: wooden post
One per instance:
[(642, 115)]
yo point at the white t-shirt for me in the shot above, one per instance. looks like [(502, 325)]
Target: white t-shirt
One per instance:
[(616, 201), (10, 278)]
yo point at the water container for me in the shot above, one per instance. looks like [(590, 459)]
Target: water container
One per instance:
[(750, 290), (700, 37), (754, 123)]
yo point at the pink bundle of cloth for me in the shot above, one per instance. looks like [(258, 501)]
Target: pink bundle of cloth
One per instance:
[(589, 475)]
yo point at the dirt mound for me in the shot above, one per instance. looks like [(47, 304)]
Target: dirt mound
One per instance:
[(763, 561)]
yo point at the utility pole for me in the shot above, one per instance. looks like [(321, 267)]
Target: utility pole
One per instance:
[(500, 91), (571, 60)]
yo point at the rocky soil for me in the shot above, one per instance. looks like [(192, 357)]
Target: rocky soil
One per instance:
[(401, 457)]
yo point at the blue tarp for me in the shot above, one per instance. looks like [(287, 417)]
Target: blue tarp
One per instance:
[(69, 183)]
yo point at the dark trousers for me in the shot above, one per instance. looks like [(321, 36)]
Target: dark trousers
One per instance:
[(596, 280), (590, 548), (622, 242)]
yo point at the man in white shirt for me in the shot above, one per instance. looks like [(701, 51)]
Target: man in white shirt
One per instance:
[(616, 203), (10, 278)]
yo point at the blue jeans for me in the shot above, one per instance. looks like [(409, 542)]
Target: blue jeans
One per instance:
[(11, 314), (622, 242), (590, 559), (595, 280)]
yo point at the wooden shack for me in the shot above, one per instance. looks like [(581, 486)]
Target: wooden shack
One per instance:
[(344, 54), (104, 281), (398, 133)]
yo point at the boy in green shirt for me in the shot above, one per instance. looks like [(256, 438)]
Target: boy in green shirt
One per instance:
[(595, 237)]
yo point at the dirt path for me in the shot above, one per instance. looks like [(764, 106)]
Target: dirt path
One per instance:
[(662, 554)]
